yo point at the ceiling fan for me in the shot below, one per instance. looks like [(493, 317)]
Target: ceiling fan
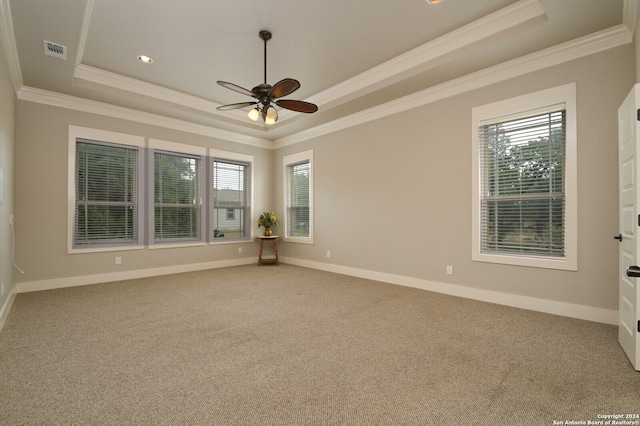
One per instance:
[(265, 94)]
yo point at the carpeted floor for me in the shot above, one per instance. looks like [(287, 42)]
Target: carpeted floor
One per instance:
[(284, 345)]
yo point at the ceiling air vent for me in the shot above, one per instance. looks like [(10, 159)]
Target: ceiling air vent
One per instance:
[(56, 50)]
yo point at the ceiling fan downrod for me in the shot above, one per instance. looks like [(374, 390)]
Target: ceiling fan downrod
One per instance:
[(266, 36)]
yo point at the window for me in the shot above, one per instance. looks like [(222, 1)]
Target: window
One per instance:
[(176, 183), (298, 181), (178, 189), (524, 149), (104, 190), (231, 211), (123, 196)]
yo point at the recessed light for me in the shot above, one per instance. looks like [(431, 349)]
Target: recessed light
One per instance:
[(145, 59), (434, 1)]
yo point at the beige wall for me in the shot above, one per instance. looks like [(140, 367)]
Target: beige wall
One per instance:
[(394, 195), (7, 144), (41, 201)]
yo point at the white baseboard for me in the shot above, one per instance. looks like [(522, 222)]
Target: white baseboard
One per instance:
[(572, 310), (589, 313), (53, 284), (6, 307)]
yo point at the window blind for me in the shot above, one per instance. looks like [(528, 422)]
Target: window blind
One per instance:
[(106, 207), (231, 199), (177, 207), (522, 166), (298, 207)]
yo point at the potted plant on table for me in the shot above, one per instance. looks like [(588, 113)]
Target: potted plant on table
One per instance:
[(267, 220)]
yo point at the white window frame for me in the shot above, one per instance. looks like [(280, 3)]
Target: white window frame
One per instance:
[(289, 160), (178, 148), (514, 108), (75, 133), (241, 158)]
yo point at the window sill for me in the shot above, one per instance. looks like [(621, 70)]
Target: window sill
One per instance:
[(102, 249), (300, 240), (564, 263), (176, 245)]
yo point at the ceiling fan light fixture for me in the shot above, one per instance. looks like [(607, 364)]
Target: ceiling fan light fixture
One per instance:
[(270, 116), (254, 114)]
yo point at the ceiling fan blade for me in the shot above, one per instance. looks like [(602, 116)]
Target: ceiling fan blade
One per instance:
[(236, 88), (283, 88), (235, 106), (298, 106)]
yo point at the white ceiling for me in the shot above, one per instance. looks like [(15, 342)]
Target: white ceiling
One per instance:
[(348, 55)]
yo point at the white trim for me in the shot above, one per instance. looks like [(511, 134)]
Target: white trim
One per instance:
[(511, 107), (230, 155), (6, 308), (84, 31), (584, 46), (517, 17), (87, 76), (572, 310), (8, 40), (173, 244), (609, 38), (590, 44), (93, 107), (502, 23), (177, 147), (55, 283), (629, 13), (288, 160)]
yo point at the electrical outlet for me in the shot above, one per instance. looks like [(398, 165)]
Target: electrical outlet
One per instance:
[(118, 260), (328, 254), (239, 250), (449, 270)]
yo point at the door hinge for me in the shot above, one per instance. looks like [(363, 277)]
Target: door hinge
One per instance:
[(638, 326), (638, 112)]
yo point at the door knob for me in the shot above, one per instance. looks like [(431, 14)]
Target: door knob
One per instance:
[(633, 271)]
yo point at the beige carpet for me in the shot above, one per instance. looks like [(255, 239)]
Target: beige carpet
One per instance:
[(284, 345)]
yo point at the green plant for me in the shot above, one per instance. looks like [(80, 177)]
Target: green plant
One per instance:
[(268, 219)]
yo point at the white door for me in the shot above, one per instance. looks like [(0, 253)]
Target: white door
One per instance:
[(629, 187)]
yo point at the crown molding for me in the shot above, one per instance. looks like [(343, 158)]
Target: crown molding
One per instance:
[(92, 77), (8, 40), (629, 14), (520, 15), (84, 31), (507, 19), (584, 46), (108, 110), (597, 42), (517, 16)]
